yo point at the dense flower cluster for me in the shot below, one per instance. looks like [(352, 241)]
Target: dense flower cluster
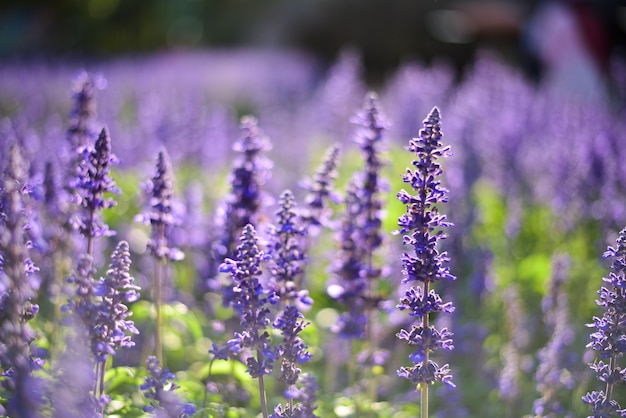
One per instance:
[(115, 290), (609, 337), (287, 255), (421, 226), (93, 182), (320, 191), (247, 178), (161, 215), (251, 304), (520, 191), (361, 234)]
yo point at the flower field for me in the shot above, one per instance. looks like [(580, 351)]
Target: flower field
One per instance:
[(250, 234)]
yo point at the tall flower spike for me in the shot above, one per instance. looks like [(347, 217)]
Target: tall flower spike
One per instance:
[(161, 215), (16, 291), (117, 289), (320, 191), (93, 183), (287, 256), (81, 132), (555, 380), (348, 269), (250, 303), (161, 218), (360, 235), (609, 337), (422, 228), (249, 173)]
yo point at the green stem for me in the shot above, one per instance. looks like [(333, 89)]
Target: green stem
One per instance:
[(263, 396), (424, 385), (157, 304)]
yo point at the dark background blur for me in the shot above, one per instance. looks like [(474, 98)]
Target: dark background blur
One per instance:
[(385, 32)]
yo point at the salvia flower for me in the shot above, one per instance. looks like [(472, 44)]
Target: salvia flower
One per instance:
[(422, 228), (251, 304), (350, 285), (81, 131), (249, 174), (306, 397), (361, 234), (369, 136), (320, 191), (159, 388), (292, 351), (16, 292), (92, 184), (161, 215), (609, 337), (554, 376), (116, 290), (287, 255)]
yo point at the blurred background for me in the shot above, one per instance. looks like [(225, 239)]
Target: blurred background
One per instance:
[(384, 32)]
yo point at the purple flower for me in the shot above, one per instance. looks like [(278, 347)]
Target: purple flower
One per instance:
[(92, 184), (609, 337), (247, 178), (360, 236), (250, 303), (81, 131), (161, 214), (554, 376), (159, 388), (320, 191), (292, 351), (287, 255), (421, 226), (116, 291), (16, 292)]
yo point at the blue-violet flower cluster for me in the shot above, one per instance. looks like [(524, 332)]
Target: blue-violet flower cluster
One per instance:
[(421, 226), (609, 337)]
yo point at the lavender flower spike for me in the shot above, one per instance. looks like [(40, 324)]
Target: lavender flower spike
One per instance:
[(161, 218), (250, 303), (16, 291), (249, 173), (609, 339), (421, 226), (93, 183), (116, 290), (161, 214)]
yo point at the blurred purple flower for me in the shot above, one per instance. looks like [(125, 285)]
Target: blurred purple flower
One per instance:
[(249, 174), (320, 192), (159, 388), (360, 236), (115, 291), (17, 289), (286, 254)]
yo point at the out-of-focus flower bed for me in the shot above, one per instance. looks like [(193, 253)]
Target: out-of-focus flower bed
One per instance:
[(536, 192)]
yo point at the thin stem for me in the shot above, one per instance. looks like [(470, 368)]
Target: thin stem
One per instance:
[(262, 394), (424, 385), (206, 384), (157, 303)]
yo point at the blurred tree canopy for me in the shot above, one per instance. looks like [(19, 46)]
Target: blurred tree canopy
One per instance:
[(385, 32)]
